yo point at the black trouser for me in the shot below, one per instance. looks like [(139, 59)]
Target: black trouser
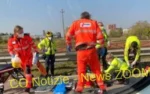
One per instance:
[(49, 64), (103, 57)]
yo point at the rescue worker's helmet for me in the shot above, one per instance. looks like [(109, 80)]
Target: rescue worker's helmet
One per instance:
[(49, 34), (16, 62)]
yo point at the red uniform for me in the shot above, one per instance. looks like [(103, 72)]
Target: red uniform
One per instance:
[(23, 48), (86, 31)]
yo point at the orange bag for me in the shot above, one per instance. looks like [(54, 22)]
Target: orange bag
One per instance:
[(41, 68)]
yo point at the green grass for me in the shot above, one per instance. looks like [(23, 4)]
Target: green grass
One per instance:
[(67, 68)]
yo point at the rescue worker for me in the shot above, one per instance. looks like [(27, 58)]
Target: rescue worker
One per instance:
[(49, 47), (132, 45), (86, 31), (102, 51), (21, 45), (120, 67)]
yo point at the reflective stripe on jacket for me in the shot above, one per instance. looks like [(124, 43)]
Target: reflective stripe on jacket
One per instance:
[(105, 38)]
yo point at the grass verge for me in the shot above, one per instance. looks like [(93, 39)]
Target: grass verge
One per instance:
[(66, 68)]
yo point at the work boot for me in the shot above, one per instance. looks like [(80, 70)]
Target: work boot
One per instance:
[(108, 83)]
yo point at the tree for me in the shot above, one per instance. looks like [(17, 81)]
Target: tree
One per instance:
[(116, 33), (141, 29)]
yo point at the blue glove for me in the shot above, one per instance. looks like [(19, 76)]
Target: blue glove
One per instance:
[(69, 48)]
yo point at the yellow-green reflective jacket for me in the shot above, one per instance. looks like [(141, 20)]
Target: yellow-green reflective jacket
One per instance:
[(129, 40), (117, 64), (105, 38), (48, 46)]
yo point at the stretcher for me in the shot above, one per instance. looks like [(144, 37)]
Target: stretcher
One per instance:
[(7, 70)]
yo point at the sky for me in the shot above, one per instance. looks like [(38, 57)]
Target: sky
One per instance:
[(38, 15)]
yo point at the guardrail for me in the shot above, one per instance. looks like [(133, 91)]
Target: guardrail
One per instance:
[(71, 56)]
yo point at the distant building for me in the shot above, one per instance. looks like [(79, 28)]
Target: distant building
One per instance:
[(125, 31), (119, 29), (110, 27)]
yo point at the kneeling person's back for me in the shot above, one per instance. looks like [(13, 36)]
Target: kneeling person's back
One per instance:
[(115, 63)]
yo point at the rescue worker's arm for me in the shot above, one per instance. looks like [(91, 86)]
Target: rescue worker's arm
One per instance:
[(97, 46), (10, 47), (138, 52), (99, 35), (126, 52), (105, 35), (41, 44), (70, 34), (112, 66)]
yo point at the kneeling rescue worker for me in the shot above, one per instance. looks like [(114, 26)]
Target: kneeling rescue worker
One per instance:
[(86, 32), (21, 45), (132, 45), (118, 65)]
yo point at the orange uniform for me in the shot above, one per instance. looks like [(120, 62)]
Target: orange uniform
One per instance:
[(23, 48), (86, 32)]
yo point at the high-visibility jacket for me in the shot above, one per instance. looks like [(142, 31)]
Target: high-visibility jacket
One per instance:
[(23, 48), (48, 46), (105, 38), (85, 31), (105, 34), (117, 64), (128, 43)]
